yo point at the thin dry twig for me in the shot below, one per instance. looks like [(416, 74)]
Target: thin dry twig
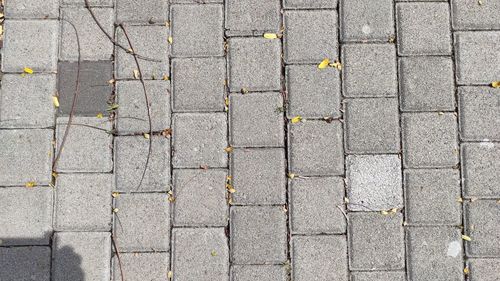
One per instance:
[(113, 241)]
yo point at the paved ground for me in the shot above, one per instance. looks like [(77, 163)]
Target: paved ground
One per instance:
[(267, 162)]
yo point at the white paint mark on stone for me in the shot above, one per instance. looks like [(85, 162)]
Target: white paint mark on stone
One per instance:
[(454, 249)]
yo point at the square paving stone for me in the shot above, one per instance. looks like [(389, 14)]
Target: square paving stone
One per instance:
[(30, 43), (200, 197), (258, 272), (198, 84), (94, 45), (200, 254), (25, 155), (429, 140), (330, 251), (94, 89), (254, 64), (151, 11), (202, 37), (425, 189), (255, 120), (258, 235), (477, 59), (252, 17), (372, 125), (26, 102), (142, 222), (423, 28), (483, 269), (148, 41), (369, 70), (99, 3), (310, 36), (141, 266), (25, 263), (83, 202), (130, 158), (258, 175), (376, 241), (310, 4), (366, 20), (434, 253), (427, 84), (199, 139), (374, 182), (313, 92), (132, 112), (81, 256), (87, 149), (479, 113), (480, 168), (25, 216), (314, 205), (32, 9), (482, 224), (378, 276), (470, 15), (316, 149)]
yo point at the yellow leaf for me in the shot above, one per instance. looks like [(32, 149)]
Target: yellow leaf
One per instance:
[(30, 184), (495, 84), (170, 40), (228, 178), (291, 176), (136, 74), (385, 213), (336, 65), (466, 238), (54, 174), (28, 70), (115, 210), (226, 101), (466, 271), (228, 149), (230, 188), (213, 253), (112, 81), (55, 100), (244, 91), (165, 77), (270, 35), (115, 194), (324, 64), (296, 119), (170, 274), (146, 136), (99, 115)]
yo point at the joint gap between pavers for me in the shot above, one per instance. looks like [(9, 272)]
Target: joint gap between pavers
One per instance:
[(310, 9), (475, 30), (425, 55)]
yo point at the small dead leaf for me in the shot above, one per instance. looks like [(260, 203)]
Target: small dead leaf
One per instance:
[(55, 101), (296, 119), (291, 175), (228, 178), (466, 238), (54, 174), (115, 210), (204, 167), (136, 74), (244, 91), (271, 36), (115, 194), (495, 84), (230, 188), (213, 253), (460, 200), (30, 184), (170, 40), (328, 119), (99, 115), (167, 132), (346, 200), (28, 70), (324, 64), (336, 65), (228, 149), (480, 2), (112, 81), (466, 271), (165, 77), (171, 197), (112, 107), (146, 136)]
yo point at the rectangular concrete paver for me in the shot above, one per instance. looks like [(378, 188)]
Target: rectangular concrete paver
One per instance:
[(25, 263), (141, 266)]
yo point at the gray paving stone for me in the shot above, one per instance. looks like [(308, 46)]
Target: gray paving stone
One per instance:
[(378, 276), (83, 202), (32, 9), (142, 222), (365, 20), (483, 269), (199, 139), (200, 254), (132, 112), (470, 15), (319, 258), (369, 70), (255, 120), (94, 45), (198, 84), (315, 148), (130, 157), (142, 266), (81, 256), (314, 205), (258, 235), (151, 11), (99, 3), (25, 263), (258, 175), (476, 54), (429, 140), (195, 1), (480, 168), (310, 4), (434, 253), (310, 36), (201, 37), (482, 224), (479, 113), (94, 87), (313, 92), (200, 197), (423, 29), (372, 125), (25, 216), (30, 43), (149, 41), (374, 182), (258, 272), (425, 189), (86, 149), (376, 241), (427, 84), (26, 102), (25, 155), (252, 17), (254, 64)]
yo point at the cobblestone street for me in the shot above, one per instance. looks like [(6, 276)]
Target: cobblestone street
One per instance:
[(250, 140)]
